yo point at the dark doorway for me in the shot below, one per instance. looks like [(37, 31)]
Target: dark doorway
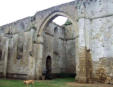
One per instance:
[(48, 68)]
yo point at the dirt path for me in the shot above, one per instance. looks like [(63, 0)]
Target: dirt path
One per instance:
[(74, 84)]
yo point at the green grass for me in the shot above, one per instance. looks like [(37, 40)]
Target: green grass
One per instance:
[(46, 83)]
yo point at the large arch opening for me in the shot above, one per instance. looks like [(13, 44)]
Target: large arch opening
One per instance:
[(60, 41)]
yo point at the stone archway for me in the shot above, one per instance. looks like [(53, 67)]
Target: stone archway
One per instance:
[(81, 50), (52, 16), (40, 36)]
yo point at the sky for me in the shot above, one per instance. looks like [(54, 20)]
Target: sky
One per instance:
[(12, 10)]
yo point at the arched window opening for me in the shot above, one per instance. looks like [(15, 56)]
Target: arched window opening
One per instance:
[(60, 20), (55, 30)]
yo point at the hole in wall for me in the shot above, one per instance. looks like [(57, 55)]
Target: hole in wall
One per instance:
[(60, 20)]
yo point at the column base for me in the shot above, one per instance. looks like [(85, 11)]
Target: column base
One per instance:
[(82, 80)]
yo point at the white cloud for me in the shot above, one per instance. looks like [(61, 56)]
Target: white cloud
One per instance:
[(12, 10)]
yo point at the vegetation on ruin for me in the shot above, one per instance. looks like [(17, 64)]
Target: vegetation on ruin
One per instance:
[(68, 22)]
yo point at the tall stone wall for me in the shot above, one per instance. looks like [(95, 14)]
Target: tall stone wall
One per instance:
[(97, 15), (59, 43), (15, 60), (21, 46)]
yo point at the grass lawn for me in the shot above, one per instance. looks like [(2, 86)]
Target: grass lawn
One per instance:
[(65, 82), (45, 83)]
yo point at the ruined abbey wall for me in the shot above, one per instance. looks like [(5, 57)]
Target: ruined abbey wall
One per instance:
[(25, 44), (96, 18), (20, 57), (18, 43)]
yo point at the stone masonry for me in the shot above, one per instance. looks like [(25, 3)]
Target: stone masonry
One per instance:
[(80, 48)]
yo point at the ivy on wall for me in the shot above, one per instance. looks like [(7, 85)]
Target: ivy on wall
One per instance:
[(68, 22)]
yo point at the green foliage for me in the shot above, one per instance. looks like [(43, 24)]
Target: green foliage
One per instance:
[(68, 22)]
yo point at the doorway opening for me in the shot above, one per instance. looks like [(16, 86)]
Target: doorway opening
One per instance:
[(48, 67)]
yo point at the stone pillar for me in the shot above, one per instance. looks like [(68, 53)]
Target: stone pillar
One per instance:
[(82, 65), (85, 60), (5, 55), (39, 57), (82, 52), (31, 73), (89, 67)]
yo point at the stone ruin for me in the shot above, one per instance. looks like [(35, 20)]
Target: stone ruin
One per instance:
[(32, 45)]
